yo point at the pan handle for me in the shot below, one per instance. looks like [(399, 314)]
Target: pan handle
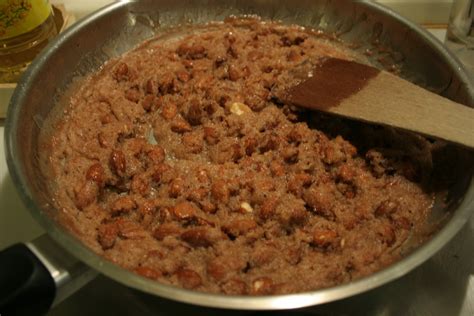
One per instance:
[(38, 275)]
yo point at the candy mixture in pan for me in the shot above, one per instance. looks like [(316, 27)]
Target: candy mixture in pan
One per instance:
[(177, 161)]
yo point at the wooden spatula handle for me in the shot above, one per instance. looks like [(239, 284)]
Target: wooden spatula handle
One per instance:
[(362, 92), (390, 100)]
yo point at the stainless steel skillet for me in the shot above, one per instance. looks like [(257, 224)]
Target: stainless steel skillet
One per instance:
[(113, 30)]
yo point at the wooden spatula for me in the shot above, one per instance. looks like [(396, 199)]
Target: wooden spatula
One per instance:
[(361, 92)]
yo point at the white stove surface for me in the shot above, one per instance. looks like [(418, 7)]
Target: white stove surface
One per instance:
[(444, 285)]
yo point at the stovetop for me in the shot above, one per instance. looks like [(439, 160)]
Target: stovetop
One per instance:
[(444, 285)]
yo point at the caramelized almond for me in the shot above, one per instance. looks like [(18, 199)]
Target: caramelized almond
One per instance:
[(184, 210), (188, 278)]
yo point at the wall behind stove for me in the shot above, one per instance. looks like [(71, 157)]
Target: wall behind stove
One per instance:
[(420, 11)]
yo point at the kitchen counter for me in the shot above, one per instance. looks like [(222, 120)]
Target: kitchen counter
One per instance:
[(444, 285)]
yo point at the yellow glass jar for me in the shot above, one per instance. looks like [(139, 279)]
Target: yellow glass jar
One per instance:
[(26, 26)]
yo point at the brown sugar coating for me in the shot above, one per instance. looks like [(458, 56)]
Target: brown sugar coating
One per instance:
[(175, 161)]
